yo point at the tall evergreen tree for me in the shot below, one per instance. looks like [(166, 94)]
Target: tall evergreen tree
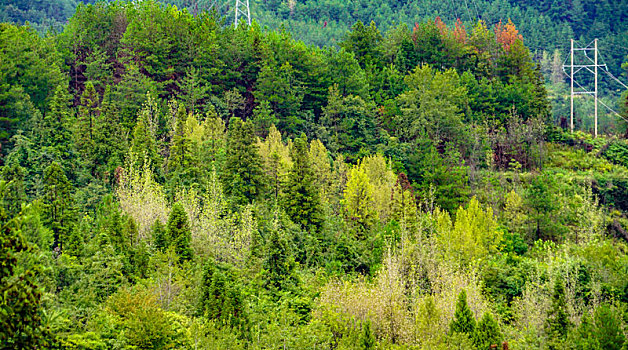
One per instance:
[(53, 134), (557, 323), (108, 140), (178, 230), (301, 198), (487, 333), (279, 263), (59, 213), (463, 321), (144, 143), (88, 112), (161, 240), (242, 175), (20, 295)]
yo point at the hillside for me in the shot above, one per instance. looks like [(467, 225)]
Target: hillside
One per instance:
[(168, 181)]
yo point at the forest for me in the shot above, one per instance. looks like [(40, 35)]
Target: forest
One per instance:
[(171, 181)]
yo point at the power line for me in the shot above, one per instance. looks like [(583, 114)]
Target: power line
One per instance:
[(612, 110)]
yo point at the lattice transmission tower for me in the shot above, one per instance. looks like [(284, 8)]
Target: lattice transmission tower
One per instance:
[(242, 10)]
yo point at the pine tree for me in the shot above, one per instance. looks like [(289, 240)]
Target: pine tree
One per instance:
[(53, 134), (59, 213), (557, 323), (20, 296), (178, 231), (464, 321), (108, 140), (193, 90), (487, 333), (88, 112), (242, 175), (279, 263), (301, 201), (161, 240), (221, 299), (179, 158), (144, 145)]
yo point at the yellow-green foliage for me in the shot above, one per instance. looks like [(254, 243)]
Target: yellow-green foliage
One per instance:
[(382, 178), (275, 159), (141, 196), (576, 160), (473, 236), (514, 215), (358, 197), (320, 162)]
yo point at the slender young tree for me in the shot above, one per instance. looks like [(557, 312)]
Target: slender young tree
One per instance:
[(178, 230), (301, 198), (242, 175), (464, 321), (59, 213), (487, 333)]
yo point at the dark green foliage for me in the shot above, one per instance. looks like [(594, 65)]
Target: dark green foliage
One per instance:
[(608, 328), (53, 134), (583, 337), (242, 176), (279, 264), (30, 75), (221, 298), (21, 310), (557, 323), (464, 320), (350, 122), (542, 201), (301, 197), (461, 109), (178, 232), (108, 152), (161, 240), (182, 166), (443, 176), (487, 333), (59, 213)]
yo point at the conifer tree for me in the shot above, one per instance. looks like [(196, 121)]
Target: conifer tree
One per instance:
[(182, 165), (221, 299), (279, 263), (20, 295), (59, 213), (557, 323), (179, 158), (487, 333), (242, 175), (88, 111), (464, 321), (178, 231), (53, 133), (108, 145), (301, 201), (143, 143), (160, 237)]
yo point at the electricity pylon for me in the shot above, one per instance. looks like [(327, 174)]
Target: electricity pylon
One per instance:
[(592, 67), (242, 9)]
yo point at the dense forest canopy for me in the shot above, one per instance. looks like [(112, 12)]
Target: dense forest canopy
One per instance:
[(170, 181)]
